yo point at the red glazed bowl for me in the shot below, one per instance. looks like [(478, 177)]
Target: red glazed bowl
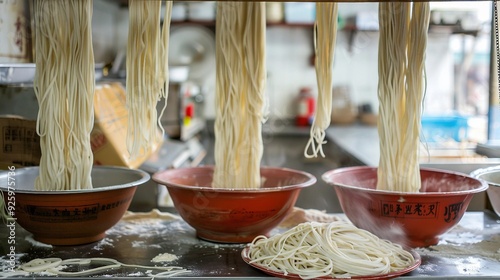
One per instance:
[(411, 219), (70, 217), (233, 215)]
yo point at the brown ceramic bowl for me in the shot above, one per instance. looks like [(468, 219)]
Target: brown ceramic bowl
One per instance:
[(411, 219), (492, 176), (75, 216), (233, 215)]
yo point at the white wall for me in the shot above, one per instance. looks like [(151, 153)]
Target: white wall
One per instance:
[(105, 30), (288, 63), (289, 50)]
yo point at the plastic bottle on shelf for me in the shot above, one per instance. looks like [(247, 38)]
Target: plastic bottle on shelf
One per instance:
[(306, 105)]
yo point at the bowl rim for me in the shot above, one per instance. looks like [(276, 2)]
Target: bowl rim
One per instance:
[(311, 180), (143, 179), (484, 171), (483, 187)]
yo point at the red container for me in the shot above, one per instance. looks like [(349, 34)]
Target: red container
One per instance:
[(306, 105), (411, 219), (233, 215)]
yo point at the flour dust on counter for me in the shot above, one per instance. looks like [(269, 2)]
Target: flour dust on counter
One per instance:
[(165, 257), (7, 262), (142, 230), (471, 249), (103, 243), (143, 244), (139, 241), (464, 241), (144, 224), (100, 259)]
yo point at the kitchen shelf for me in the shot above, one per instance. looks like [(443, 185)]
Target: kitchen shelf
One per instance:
[(206, 23), (210, 23), (433, 28), (124, 3)]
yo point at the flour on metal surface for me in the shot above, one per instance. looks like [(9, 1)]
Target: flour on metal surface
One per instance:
[(460, 241), (103, 243), (165, 257)]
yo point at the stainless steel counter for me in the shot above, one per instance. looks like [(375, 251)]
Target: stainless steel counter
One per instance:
[(139, 241), (362, 142)]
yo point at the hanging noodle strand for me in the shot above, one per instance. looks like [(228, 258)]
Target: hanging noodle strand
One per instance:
[(415, 80), (240, 101), (64, 87), (147, 73), (402, 44), (324, 41), (165, 35)]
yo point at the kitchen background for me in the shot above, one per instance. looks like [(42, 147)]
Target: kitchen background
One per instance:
[(457, 56)]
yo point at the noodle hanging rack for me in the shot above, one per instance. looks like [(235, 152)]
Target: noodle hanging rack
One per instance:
[(340, 1)]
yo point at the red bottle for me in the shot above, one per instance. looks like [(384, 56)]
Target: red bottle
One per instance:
[(305, 107)]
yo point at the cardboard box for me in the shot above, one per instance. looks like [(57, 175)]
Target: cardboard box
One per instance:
[(108, 138), (20, 144)]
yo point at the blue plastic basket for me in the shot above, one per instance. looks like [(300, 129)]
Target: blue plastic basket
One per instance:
[(444, 128)]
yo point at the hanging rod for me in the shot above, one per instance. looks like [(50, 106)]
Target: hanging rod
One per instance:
[(346, 1), (125, 2)]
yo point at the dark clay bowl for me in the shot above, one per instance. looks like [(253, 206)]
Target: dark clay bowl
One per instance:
[(75, 216)]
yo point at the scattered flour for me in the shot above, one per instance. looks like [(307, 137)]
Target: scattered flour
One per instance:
[(145, 224), (102, 243), (142, 244), (486, 248), (138, 244), (135, 274), (165, 257), (8, 263)]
